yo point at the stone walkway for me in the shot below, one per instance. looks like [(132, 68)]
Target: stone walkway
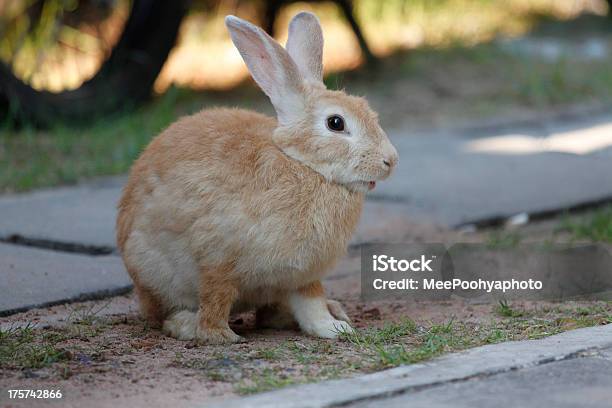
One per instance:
[(459, 177), (572, 369), (33, 277), (443, 178)]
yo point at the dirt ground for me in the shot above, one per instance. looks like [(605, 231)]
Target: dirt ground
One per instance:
[(118, 361), (102, 354)]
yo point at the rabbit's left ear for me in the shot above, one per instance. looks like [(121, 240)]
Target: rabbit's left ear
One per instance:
[(305, 46), (271, 67)]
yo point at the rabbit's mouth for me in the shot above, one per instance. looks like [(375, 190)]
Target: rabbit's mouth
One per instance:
[(370, 185), (361, 185)]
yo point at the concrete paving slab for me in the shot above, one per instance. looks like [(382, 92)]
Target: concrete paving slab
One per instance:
[(480, 362), (32, 277), (82, 214), (578, 382), (455, 178)]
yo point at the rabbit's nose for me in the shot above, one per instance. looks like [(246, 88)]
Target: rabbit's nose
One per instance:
[(390, 161), (389, 155)]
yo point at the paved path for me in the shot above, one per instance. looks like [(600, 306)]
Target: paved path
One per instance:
[(84, 214), (579, 382), (33, 277), (572, 369), (461, 177), (444, 178)]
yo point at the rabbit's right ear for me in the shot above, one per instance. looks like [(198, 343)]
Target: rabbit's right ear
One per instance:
[(305, 46), (271, 67)]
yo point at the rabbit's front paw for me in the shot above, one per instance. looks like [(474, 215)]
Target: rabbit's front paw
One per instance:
[(181, 325), (217, 335), (328, 328)]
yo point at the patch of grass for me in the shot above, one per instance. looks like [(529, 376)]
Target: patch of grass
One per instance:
[(64, 155), (504, 239), (595, 227), (88, 314), (374, 337), (306, 354), (21, 349), (386, 344), (544, 323), (217, 375), (495, 336), (505, 310), (597, 309), (270, 354), (85, 321), (432, 342), (422, 343), (267, 380)]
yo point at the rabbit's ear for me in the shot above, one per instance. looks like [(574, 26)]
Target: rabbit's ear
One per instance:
[(271, 67), (305, 46)]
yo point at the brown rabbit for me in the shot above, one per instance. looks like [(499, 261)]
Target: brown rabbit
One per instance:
[(229, 209)]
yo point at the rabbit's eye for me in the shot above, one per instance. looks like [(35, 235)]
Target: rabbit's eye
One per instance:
[(335, 123)]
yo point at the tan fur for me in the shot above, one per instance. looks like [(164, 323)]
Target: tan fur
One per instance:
[(228, 210), (313, 289), (218, 291), (278, 315), (150, 304), (310, 212)]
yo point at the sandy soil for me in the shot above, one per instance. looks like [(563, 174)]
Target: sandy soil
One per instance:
[(121, 362)]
